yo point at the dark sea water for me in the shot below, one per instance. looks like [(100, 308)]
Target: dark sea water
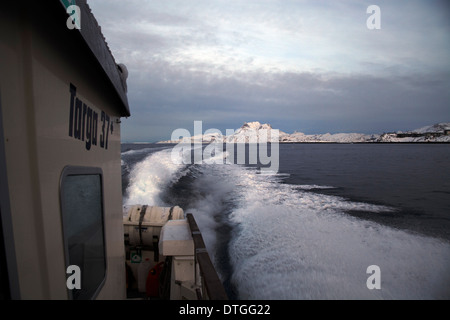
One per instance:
[(312, 230), (412, 178)]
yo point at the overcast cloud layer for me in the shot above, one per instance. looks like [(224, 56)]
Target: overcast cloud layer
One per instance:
[(310, 66)]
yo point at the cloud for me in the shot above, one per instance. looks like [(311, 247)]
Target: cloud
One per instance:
[(177, 96), (299, 65)]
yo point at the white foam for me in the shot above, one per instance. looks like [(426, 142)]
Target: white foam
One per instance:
[(312, 187), (149, 177), (211, 190), (291, 243), (142, 151)]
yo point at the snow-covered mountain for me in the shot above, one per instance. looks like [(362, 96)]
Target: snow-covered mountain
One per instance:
[(439, 132), (254, 132), (203, 138), (439, 127), (327, 137)]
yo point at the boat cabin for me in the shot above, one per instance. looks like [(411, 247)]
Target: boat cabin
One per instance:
[(62, 96), (64, 231)]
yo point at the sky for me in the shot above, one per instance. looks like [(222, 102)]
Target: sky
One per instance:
[(310, 66)]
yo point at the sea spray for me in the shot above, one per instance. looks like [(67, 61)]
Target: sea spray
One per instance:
[(290, 241)]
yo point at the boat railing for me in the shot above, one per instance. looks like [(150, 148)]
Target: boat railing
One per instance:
[(211, 284)]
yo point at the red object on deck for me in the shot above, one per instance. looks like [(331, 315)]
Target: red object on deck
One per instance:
[(152, 284)]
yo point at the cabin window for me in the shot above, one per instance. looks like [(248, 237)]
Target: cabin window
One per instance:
[(83, 228)]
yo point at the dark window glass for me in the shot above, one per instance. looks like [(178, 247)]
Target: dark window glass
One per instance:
[(83, 226)]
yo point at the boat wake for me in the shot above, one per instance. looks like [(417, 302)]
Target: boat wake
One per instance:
[(273, 240)]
